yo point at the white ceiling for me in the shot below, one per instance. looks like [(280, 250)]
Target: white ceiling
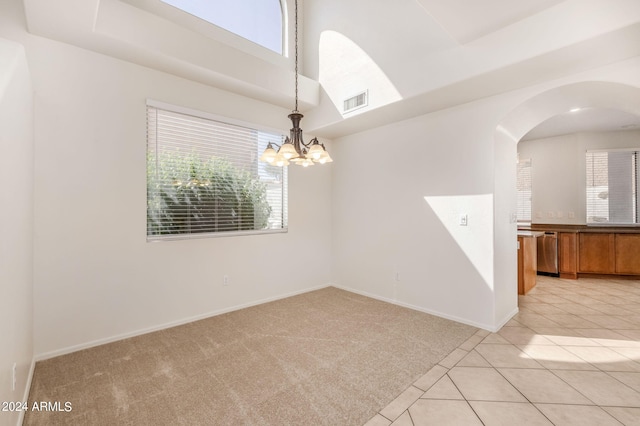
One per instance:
[(494, 46), (585, 120), (434, 53), (467, 20)]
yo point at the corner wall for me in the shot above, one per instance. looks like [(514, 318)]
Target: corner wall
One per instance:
[(399, 191), (97, 279), (398, 194), (16, 226)]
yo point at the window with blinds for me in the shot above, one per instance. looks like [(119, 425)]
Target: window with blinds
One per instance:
[(612, 186), (204, 178), (523, 184)]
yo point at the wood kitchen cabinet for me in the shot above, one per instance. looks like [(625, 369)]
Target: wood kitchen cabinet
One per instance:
[(627, 254), (596, 253), (568, 255), (596, 250), (527, 263)]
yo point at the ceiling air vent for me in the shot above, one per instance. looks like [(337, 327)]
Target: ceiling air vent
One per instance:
[(358, 101)]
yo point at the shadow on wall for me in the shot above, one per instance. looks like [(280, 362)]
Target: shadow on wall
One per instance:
[(468, 220)]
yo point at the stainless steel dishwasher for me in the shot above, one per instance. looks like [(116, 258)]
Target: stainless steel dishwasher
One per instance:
[(548, 253)]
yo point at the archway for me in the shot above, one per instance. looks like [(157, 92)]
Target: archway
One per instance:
[(562, 99), (510, 130)]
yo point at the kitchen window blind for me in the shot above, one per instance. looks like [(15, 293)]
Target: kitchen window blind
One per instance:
[(523, 184), (612, 186), (204, 178)]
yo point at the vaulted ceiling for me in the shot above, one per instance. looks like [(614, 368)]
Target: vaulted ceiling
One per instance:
[(411, 56), (467, 20)]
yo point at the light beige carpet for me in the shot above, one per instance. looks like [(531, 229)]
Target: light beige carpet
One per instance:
[(328, 357)]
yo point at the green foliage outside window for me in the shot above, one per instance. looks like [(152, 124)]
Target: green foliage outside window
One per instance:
[(188, 194)]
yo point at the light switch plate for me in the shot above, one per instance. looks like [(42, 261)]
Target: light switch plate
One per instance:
[(464, 220)]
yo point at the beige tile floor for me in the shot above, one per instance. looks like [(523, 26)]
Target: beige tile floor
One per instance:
[(571, 356)]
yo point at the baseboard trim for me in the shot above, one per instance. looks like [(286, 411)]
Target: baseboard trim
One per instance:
[(506, 319), (417, 308), (98, 342), (27, 390)]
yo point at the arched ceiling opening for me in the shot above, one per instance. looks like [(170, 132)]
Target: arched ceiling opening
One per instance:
[(561, 100), (592, 119)]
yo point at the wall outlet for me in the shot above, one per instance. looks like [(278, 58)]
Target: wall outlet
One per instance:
[(225, 280), (571, 215), (14, 378)]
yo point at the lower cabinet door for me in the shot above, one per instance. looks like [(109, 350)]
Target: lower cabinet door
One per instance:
[(568, 254), (628, 254), (596, 253)]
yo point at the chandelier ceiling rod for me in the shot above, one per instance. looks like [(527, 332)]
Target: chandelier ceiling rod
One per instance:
[(295, 109), (295, 149)]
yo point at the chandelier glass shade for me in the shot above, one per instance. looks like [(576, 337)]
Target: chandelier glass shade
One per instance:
[(294, 149)]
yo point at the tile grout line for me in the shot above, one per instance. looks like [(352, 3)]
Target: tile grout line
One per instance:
[(470, 345)]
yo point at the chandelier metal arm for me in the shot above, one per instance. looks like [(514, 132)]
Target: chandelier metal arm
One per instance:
[(272, 144), (302, 143), (311, 142)]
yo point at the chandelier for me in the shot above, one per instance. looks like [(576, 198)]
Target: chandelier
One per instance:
[(294, 149)]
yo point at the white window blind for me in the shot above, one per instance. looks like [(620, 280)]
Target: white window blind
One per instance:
[(204, 178), (523, 184), (612, 186)]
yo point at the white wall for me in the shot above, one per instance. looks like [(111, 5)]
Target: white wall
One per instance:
[(16, 225), (559, 175), (505, 259), (384, 215), (398, 193), (463, 160), (96, 277), (92, 261)]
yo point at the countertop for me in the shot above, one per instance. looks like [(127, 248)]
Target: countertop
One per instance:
[(581, 228), (527, 234)]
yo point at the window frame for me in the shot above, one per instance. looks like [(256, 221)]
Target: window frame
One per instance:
[(281, 24), (230, 121), (190, 22)]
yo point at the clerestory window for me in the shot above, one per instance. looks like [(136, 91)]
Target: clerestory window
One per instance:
[(259, 21)]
